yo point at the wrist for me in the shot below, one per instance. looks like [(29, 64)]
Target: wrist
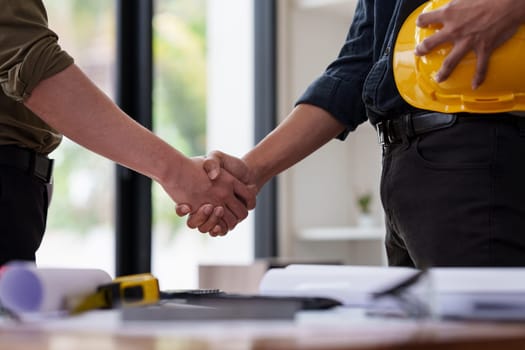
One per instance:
[(258, 172), (171, 168)]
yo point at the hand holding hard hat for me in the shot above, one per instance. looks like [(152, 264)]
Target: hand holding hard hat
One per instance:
[(463, 56)]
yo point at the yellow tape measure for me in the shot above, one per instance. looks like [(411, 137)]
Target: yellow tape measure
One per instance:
[(132, 290)]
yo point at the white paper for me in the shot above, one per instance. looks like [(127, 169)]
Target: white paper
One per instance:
[(24, 288), (471, 279), (476, 293), (351, 285), (479, 293)]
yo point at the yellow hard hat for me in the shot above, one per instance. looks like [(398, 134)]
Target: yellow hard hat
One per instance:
[(502, 91)]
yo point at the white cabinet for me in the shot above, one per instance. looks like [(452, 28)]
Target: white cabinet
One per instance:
[(341, 233), (349, 244)]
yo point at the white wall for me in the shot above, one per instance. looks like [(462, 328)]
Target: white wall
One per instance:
[(320, 191)]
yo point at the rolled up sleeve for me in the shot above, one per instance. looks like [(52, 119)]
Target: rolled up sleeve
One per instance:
[(339, 89), (29, 50)]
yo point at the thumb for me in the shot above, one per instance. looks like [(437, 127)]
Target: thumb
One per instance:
[(212, 166), (233, 165)]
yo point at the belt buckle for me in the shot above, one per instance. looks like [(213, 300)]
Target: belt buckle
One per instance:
[(43, 168), (383, 134), (380, 129)]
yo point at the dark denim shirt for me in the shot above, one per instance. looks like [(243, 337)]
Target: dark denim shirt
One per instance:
[(359, 84)]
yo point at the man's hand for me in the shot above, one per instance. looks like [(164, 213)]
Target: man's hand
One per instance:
[(217, 164), (223, 201), (96, 123), (471, 25)]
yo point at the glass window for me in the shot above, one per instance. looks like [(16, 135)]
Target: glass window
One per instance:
[(80, 228), (202, 101)]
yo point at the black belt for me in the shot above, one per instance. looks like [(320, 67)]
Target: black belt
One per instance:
[(27, 161), (410, 125)]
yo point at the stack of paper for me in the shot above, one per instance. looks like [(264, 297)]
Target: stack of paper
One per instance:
[(479, 293), (351, 285), (476, 293)]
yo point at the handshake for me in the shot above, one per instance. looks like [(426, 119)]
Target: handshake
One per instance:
[(217, 191)]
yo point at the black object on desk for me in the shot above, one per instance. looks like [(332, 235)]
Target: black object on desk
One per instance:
[(189, 293), (216, 305), (212, 297)]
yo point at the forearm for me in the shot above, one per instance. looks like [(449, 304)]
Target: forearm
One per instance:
[(305, 130), (91, 119)]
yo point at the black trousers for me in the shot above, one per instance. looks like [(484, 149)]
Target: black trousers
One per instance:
[(24, 201), (456, 196)]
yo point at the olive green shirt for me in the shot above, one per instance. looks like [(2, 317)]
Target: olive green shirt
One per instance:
[(29, 53)]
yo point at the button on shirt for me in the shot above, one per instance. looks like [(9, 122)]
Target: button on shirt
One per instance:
[(359, 84), (29, 53)]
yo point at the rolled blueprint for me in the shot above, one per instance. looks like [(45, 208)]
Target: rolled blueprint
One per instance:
[(24, 288)]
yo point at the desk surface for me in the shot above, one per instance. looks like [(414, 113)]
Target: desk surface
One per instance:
[(105, 331)]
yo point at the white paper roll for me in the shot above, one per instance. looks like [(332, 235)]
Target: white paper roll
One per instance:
[(24, 288)]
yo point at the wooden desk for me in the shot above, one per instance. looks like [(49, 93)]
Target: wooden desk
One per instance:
[(392, 335)]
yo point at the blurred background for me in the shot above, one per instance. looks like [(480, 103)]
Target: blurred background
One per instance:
[(81, 219), (204, 53)]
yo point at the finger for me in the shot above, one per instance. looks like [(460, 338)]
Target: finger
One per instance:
[(213, 220), (213, 234), (217, 230), (452, 60), (426, 19), (200, 216), (229, 218), (247, 194), (182, 209), (482, 66), (433, 41), (221, 229), (238, 209)]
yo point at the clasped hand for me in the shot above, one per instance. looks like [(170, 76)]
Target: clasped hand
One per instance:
[(230, 197)]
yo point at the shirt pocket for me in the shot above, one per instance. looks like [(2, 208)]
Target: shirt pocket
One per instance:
[(379, 90)]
